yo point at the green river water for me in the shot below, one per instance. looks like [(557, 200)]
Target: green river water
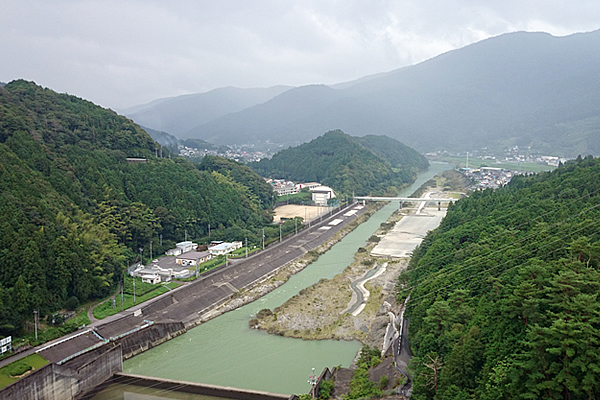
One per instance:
[(224, 351)]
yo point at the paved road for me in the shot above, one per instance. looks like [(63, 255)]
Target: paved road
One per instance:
[(190, 302)]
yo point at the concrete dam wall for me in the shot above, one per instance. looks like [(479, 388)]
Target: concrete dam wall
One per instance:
[(197, 388), (69, 381)]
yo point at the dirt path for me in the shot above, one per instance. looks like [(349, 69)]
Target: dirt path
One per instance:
[(90, 312)]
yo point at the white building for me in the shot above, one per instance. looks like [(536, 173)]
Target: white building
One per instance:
[(285, 189), (148, 275), (154, 273), (224, 248), (322, 194), (182, 247)]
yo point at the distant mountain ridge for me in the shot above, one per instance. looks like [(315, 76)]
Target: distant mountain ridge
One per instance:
[(525, 89), (177, 115)]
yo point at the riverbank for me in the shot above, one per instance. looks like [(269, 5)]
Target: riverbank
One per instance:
[(283, 274), (321, 310)]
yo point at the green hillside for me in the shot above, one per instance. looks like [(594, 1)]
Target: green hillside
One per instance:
[(343, 163), (396, 153), (505, 301), (74, 212)]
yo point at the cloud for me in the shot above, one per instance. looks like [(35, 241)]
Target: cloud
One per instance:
[(122, 53)]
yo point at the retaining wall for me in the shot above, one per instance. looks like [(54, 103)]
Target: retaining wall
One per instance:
[(145, 339)]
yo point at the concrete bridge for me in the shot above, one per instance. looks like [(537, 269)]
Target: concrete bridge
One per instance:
[(404, 199)]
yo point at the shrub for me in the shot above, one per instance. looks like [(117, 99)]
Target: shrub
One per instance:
[(72, 303), (325, 389), (19, 368), (383, 381)]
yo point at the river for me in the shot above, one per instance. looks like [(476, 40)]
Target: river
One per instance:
[(224, 351)]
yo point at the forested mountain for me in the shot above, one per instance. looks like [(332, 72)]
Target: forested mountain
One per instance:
[(343, 163), (74, 211), (525, 89), (396, 153), (178, 115), (505, 301)]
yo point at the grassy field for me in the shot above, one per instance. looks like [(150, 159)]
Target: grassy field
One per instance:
[(106, 309), (477, 163), (35, 361)]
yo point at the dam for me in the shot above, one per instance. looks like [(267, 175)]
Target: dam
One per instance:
[(224, 351)]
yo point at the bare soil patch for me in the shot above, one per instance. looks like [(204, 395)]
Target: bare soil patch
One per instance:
[(290, 211)]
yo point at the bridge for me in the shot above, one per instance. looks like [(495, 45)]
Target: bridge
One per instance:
[(404, 199)]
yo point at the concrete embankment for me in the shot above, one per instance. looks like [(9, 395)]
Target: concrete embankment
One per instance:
[(69, 381), (197, 388)]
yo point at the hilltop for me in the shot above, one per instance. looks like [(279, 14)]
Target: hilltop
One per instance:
[(369, 165)]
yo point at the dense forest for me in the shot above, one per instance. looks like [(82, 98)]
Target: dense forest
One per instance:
[(74, 211), (396, 153), (504, 294), (347, 164)]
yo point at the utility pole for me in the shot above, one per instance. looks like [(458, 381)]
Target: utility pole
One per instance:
[(263, 238), (209, 231), (35, 322), (151, 250), (160, 236), (280, 231), (296, 224), (313, 382), (246, 247)]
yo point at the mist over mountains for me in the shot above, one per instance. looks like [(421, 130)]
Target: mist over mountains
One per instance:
[(178, 115), (525, 89)]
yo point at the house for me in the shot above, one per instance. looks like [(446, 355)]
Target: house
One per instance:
[(156, 273), (148, 275), (224, 248), (322, 194), (192, 258), (182, 247)]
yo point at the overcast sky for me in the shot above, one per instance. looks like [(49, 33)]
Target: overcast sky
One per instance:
[(123, 53)]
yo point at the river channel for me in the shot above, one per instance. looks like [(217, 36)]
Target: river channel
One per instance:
[(226, 352)]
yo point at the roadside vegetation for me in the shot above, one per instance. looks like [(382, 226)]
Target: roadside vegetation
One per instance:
[(16, 370), (143, 292)]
